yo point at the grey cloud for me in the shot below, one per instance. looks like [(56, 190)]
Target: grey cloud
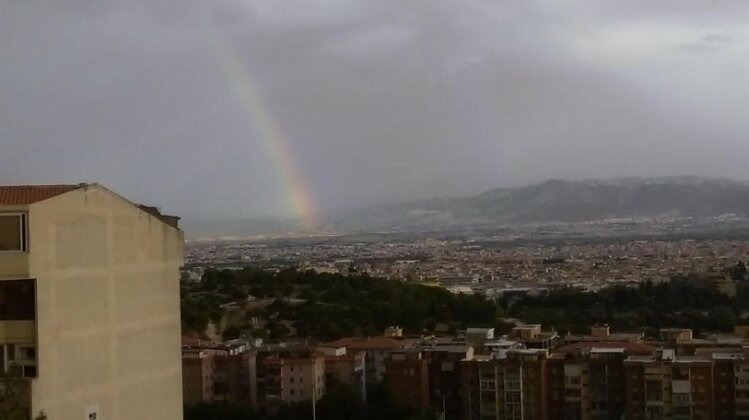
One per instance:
[(378, 100), (716, 38)]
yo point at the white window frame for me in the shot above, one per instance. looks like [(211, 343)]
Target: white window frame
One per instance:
[(23, 227)]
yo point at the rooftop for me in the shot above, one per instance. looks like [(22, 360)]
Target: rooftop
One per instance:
[(22, 195), (628, 347), (367, 343)]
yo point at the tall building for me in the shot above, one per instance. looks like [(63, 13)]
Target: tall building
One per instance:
[(346, 368), (89, 302), (665, 385), (218, 372), (289, 373), (583, 380), (586, 380), (407, 373), (198, 375), (511, 387), (376, 349)]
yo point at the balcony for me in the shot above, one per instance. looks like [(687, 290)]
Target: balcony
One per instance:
[(18, 327), (18, 332), (14, 265)]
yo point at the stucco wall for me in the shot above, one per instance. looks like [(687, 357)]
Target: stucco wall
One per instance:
[(107, 308)]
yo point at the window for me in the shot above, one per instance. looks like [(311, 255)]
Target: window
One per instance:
[(17, 300), (26, 353), (12, 232), (29, 371)]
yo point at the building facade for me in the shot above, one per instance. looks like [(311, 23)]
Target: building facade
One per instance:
[(289, 374), (90, 313)]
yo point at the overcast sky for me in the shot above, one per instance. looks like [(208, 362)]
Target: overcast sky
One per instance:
[(378, 99)]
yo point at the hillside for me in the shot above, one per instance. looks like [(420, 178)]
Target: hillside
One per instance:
[(562, 201)]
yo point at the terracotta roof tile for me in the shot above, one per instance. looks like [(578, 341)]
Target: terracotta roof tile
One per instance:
[(21, 195)]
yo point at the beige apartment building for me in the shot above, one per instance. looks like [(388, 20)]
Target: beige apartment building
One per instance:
[(89, 302)]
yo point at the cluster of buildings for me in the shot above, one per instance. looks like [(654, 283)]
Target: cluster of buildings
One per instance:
[(527, 374), (268, 376), (473, 265), (535, 375)]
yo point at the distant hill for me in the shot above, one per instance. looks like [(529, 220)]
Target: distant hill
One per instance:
[(561, 201)]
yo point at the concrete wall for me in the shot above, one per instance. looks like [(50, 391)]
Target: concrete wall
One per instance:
[(108, 316)]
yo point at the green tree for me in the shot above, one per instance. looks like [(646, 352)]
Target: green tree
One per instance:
[(14, 399)]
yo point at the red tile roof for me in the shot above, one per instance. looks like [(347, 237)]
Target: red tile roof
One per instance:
[(21, 195)]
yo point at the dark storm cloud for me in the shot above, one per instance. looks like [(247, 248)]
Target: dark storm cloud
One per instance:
[(379, 100)]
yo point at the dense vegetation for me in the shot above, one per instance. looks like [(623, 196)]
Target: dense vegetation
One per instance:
[(331, 305), (337, 404), (650, 306)]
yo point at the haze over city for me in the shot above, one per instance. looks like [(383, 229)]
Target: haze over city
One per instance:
[(236, 108)]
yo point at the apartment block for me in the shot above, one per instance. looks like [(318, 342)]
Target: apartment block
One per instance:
[(346, 367), (586, 380), (443, 361), (198, 375), (89, 302), (601, 376), (407, 373), (668, 386), (289, 373), (511, 387), (376, 350), (218, 372)]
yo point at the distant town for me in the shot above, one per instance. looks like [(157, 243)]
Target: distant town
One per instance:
[(489, 264), (498, 326)]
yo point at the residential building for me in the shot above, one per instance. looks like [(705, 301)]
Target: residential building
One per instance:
[(376, 349), (289, 373), (586, 379), (407, 373), (347, 368), (89, 302), (198, 375), (665, 385), (444, 381), (218, 372), (510, 387)]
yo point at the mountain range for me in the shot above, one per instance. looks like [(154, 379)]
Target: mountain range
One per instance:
[(561, 201), (551, 201)]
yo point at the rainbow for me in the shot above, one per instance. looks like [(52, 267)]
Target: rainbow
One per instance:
[(298, 194)]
